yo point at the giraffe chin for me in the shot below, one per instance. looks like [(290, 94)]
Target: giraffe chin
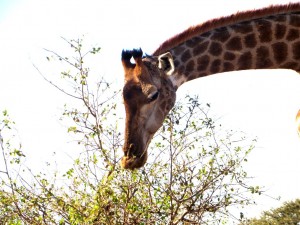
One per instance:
[(133, 162)]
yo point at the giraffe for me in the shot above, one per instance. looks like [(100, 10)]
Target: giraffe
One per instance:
[(267, 38)]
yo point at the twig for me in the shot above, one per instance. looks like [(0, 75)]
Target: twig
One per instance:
[(62, 90)]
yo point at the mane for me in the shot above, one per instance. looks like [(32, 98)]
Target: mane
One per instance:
[(224, 21)]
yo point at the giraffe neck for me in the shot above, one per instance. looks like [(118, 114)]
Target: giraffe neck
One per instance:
[(269, 42)]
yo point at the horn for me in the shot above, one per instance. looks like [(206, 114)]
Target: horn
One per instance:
[(126, 56), (137, 55)]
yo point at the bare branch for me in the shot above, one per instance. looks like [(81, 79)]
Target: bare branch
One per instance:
[(54, 85)]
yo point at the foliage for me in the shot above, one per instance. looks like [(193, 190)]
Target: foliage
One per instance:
[(288, 214), (193, 176)]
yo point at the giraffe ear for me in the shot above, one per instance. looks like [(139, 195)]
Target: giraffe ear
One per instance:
[(166, 63)]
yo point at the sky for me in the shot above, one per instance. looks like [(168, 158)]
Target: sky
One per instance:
[(262, 104)]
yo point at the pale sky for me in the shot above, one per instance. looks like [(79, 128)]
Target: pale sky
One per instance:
[(259, 103)]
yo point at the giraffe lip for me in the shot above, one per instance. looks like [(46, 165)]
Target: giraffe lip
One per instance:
[(130, 150)]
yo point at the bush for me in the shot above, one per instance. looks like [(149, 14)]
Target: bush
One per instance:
[(194, 172)]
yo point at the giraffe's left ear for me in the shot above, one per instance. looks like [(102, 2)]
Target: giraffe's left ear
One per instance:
[(166, 63)]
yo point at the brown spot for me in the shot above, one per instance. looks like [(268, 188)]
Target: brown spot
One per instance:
[(186, 56), (234, 44), (295, 20), (290, 65), (229, 56), (278, 18), (245, 61), (265, 30), (227, 66), (280, 31), (206, 34), (202, 63), (244, 27), (181, 69), (263, 58), (215, 66), (250, 41), (292, 35), (215, 48), (190, 66), (193, 42), (280, 51), (176, 63), (296, 50), (200, 48), (178, 50), (220, 34)]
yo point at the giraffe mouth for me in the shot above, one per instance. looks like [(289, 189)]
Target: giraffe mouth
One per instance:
[(134, 159)]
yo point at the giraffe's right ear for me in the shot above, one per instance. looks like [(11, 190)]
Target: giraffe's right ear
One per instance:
[(166, 63)]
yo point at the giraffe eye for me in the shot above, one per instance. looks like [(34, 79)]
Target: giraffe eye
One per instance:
[(153, 96)]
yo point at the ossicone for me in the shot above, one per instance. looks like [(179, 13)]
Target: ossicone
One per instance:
[(137, 54), (126, 56)]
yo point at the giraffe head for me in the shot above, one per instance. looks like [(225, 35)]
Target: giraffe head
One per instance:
[(148, 96)]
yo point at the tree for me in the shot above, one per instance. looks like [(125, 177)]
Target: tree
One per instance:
[(193, 176), (288, 214)]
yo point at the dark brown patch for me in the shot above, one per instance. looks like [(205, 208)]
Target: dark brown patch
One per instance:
[(280, 51), (206, 34), (243, 28), (178, 50), (202, 63), (296, 50), (229, 56), (200, 48), (245, 61), (186, 56), (280, 31), (190, 66), (176, 63), (290, 65), (193, 42), (263, 58), (295, 20), (181, 69), (234, 44), (220, 34), (215, 48), (264, 28), (250, 41), (292, 35), (227, 66), (278, 18), (215, 66)]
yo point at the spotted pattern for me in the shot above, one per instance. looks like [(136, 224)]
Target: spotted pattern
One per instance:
[(256, 44), (264, 29), (280, 51), (234, 44), (280, 30), (250, 41), (293, 34)]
